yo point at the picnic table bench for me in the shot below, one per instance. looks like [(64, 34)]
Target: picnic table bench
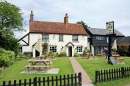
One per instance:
[(33, 66)]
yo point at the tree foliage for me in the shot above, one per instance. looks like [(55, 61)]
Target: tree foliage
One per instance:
[(9, 43), (83, 24), (10, 20), (123, 48), (10, 17)]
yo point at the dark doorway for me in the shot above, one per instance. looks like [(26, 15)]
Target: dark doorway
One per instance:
[(37, 53), (70, 51)]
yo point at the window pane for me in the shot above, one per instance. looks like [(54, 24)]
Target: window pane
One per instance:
[(74, 38), (79, 48), (60, 37), (45, 37), (53, 48)]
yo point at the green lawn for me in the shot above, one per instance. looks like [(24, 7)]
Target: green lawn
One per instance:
[(12, 72), (100, 64)]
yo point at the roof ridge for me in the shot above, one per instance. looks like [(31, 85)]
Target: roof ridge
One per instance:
[(54, 22)]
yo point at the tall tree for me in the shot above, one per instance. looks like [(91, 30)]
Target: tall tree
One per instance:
[(10, 18), (84, 25)]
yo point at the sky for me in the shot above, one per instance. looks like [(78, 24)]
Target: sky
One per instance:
[(95, 13)]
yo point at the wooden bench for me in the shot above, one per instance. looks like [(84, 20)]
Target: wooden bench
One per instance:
[(32, 66)]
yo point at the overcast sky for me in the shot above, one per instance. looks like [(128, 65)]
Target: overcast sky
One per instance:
[(95, 13)]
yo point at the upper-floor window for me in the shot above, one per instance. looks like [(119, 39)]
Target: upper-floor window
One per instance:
[(100, 37), (60, 37), (74, 38), (45, 37)]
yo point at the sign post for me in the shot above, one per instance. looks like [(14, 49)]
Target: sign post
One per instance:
[(110, 33)]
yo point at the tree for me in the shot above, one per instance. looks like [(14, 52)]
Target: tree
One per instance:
[(123, 49), (84, 25), (10, 18)]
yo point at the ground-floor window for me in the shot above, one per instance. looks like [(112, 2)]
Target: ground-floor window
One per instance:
[(20, 49), (53, 48), (79, 48)]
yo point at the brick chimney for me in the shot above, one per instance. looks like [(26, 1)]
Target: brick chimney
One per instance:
[(66, 19), (31, 16)]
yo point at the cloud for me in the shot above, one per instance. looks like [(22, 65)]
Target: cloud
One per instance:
[(95, 13)]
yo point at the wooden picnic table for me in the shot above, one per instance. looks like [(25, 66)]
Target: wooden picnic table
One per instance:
[(118, 58), (88, 56), (34, 64)]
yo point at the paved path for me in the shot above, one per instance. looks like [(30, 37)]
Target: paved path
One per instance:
[(86, 81)]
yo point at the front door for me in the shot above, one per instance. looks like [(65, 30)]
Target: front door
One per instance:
[(70, 51), (37, 53)]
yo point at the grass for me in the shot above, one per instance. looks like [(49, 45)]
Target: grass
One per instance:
[(100, 64), (12, 72)]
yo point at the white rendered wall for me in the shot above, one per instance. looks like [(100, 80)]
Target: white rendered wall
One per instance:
[(54, 40)]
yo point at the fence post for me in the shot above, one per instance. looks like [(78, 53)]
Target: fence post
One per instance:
[(3, 83), (80, 78), (35, 81), (96, 76), (122, 71)]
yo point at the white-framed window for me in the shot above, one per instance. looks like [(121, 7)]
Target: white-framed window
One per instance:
[(75, 38), (53, 48), (60, 37), (45, 37), (79, 48)]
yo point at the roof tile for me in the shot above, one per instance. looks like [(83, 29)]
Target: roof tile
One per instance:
[(56, 28)]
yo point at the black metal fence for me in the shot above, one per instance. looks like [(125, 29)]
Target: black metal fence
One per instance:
[(112, 74), (65, 80)]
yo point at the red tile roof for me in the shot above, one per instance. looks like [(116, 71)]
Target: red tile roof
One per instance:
[(56, 28)]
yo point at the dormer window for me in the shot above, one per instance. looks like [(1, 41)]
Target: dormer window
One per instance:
[(75, 38)]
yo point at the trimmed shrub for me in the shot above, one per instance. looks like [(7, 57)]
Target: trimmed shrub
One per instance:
[(76, 54), (62, 54)]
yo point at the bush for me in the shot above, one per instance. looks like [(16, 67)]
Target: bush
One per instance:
[(62, 54), (123, 49), (0, 72), (28, 54), (20, 55), (51, 53), (85, 51), (4, 60), (6, 57), (76, 54), (57, 54)]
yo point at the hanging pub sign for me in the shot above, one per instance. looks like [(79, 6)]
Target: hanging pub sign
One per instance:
[(110, 27)]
